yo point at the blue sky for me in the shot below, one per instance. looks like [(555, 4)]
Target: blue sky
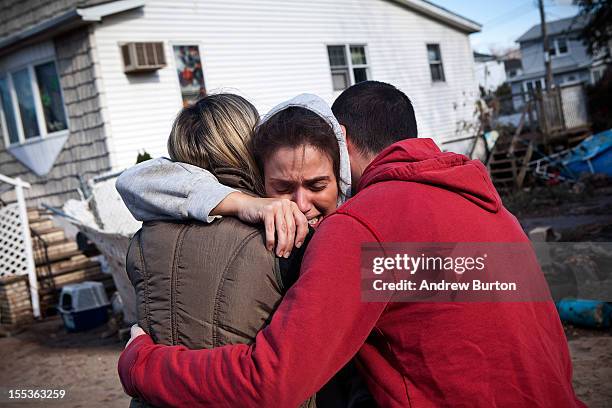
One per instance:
[(504, 21)]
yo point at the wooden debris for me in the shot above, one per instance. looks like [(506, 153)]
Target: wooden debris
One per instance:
[(58, 263)]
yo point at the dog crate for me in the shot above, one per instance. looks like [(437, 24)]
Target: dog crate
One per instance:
[(83, 306)]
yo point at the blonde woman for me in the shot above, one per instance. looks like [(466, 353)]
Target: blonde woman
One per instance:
[(207, 285)]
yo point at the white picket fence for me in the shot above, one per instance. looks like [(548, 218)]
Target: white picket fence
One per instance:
[(16, 257)]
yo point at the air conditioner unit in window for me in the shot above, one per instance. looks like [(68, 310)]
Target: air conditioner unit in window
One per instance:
[(142, 56)]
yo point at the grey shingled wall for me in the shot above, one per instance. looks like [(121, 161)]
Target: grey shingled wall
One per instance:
[(85, 153), (19, 15)]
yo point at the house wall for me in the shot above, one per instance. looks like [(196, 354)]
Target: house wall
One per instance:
[(490, 74), (582, 75), (272, 50), (85, 154), (533, 56)]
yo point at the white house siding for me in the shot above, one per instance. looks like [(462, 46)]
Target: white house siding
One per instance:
[(272, 50)]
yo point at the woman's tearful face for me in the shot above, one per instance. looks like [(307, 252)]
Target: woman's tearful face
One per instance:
[(305, 176)]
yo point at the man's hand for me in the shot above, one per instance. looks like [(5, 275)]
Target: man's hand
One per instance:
[(135, 331), (281, 217)]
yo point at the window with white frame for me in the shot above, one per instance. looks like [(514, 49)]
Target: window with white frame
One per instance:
[(31, 103), (558, 47), (533, 86), (349, 65), (434, 56)]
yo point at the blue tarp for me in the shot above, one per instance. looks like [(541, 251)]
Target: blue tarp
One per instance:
[(593, 155)]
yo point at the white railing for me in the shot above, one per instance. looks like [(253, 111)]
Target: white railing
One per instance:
[(16, 257)]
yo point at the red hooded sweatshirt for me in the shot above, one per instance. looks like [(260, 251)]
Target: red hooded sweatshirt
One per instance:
[(411, 354)]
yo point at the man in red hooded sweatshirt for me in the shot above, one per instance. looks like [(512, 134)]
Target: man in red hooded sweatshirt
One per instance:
[(410, 354)]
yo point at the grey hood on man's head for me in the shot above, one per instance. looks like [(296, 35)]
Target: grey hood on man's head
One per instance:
[(321, 108)]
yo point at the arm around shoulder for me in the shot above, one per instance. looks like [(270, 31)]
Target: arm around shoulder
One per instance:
[(318, 327), (163, 189)]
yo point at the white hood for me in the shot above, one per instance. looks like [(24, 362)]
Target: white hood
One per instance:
[(320, 107)]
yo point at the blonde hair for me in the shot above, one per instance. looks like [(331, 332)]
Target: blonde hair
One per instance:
[(216, 132)]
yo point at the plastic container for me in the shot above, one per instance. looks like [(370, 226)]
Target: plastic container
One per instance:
[(582, 312), (593, 155), (83, 306)]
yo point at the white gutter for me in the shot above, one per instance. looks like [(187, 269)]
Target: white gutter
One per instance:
[(96, 13), (442, 15)]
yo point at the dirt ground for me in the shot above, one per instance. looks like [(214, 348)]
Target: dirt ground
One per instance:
[(580, 213), (45, 356), (84, 364), (591, 352)]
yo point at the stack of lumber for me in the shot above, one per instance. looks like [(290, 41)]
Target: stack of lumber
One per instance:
[(15, 306), (59, 261)]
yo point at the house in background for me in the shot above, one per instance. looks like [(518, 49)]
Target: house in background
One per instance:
[(490, 71), (85, 85), (570, 61), (513, 64)]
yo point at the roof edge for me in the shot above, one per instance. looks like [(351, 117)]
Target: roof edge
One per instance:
[(527, 36), (96, 13), (442, 15), (65, 22)]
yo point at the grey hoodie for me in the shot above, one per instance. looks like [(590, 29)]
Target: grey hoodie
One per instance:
[(163, 189)]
